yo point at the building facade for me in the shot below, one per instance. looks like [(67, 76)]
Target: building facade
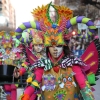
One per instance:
[(72, 4), (7, 12), (79, 8)]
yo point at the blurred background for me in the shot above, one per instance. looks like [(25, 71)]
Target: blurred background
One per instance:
[(13, 12)]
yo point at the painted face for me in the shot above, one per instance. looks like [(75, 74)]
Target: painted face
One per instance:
[(38, 48), (56, 51)]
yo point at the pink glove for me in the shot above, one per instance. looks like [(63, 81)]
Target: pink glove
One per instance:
[(80, 78)]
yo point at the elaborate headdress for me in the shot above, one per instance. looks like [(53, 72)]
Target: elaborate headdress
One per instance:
[(37, 37), (8, 55), (34, 35), (54, 32), (7, 40)]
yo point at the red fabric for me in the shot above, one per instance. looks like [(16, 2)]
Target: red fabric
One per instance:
[(92, 57), (7, 87), (22, 71), (33, 97), (11, 88), (25, 97), (30, 90), (39, 73), (13, 92), (31, 57), (79, 76)]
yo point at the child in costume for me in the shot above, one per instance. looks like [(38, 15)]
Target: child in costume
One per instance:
[(37, 44), (9, 57), (36, 54), (60, 76)]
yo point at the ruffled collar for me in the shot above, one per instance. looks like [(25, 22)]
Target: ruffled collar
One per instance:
[(65, 62)]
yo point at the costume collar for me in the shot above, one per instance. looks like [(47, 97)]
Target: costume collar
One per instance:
[(65, 62)]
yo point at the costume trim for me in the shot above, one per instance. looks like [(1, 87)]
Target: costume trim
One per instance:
[(66, 62)]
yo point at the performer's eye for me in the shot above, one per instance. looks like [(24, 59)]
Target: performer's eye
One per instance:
[(69, 79), (64, 79)]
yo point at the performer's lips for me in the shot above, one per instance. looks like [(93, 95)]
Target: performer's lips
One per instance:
[(55, 53)]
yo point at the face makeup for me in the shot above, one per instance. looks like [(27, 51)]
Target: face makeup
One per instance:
[(56, 51), (38, 48)]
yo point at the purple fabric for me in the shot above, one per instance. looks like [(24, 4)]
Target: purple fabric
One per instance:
[(85, 68), (27, 25), (22, 40), (92, 30), (27, 41), (38, 25), (89, 23), (18, 36), (79, 34), (92, 89), (19, 30), (88, 35), (84, 37), (79, 19), (68, 24), (30, 32)]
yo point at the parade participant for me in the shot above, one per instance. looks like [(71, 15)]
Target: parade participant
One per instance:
[(60, 76), (37, 44), (38, 52), (9, 57)]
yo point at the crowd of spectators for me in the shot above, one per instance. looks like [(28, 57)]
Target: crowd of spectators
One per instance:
[(78, 45)]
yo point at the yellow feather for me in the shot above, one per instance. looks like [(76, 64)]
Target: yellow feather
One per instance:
[(93, 63), (89, 56)]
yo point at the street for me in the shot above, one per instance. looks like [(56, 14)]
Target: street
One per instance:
[(97, 90)]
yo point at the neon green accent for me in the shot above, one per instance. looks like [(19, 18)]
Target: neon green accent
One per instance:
[(90, 33), (87, 93), (22, 26), (86, 36), (20, 39), (92, 27), (91, 79), (16, 33), (33, 24), (79, 32), (85, 20), (73, 21), (60, 40), (16, 85)]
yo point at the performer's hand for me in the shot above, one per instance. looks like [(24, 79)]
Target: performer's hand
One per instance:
[(16, 73)]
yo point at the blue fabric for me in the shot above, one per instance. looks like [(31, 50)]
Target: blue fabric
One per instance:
[(8, 93), (78, 53)]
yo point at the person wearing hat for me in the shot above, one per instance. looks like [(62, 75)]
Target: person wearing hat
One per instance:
[(37, 50), (60, 76)]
